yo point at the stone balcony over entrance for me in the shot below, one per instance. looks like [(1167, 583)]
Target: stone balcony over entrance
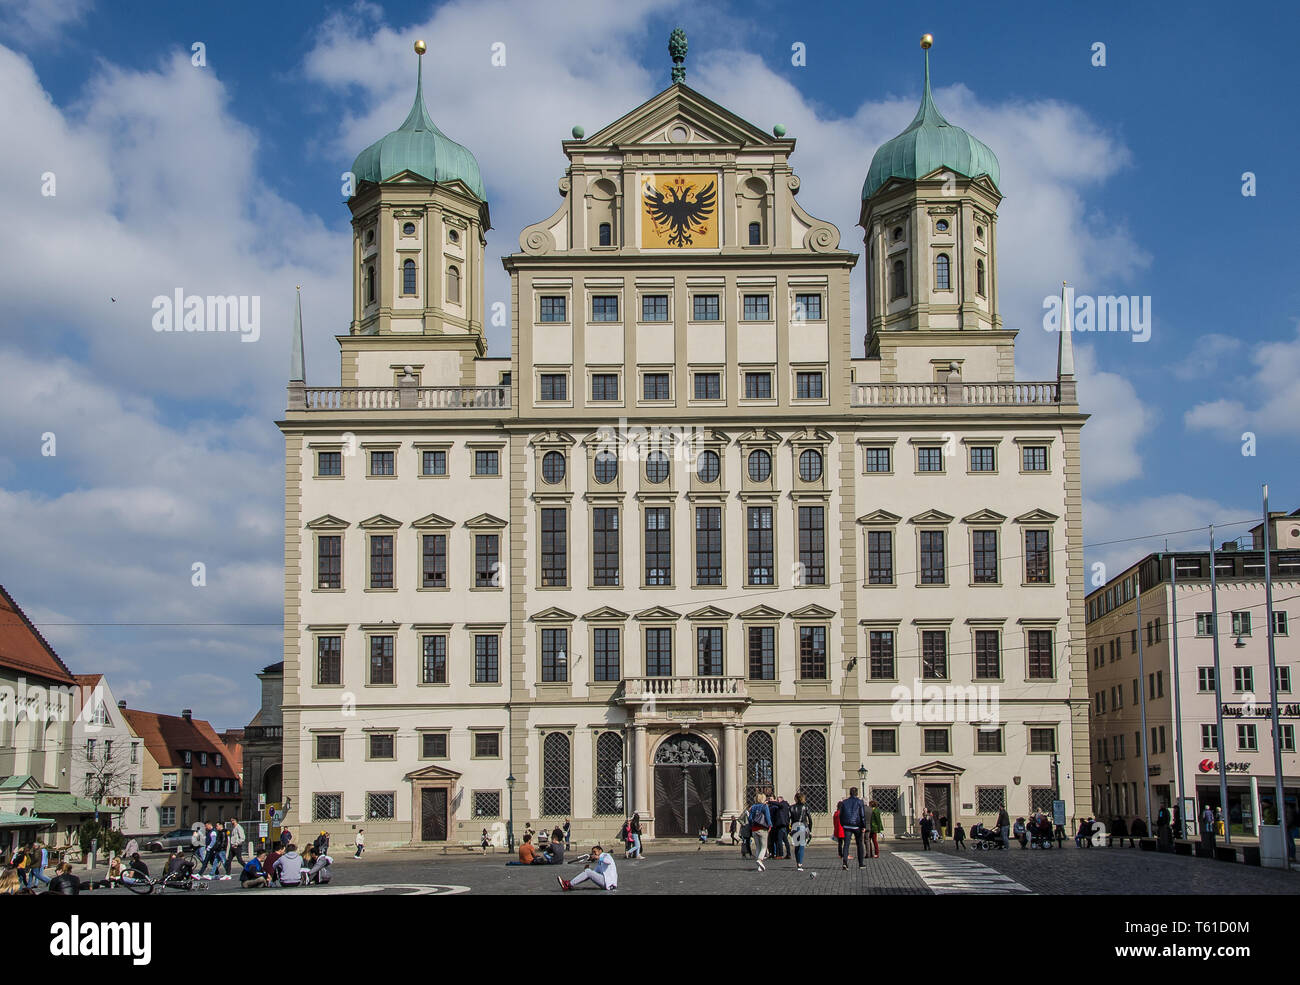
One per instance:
[(682, 691)]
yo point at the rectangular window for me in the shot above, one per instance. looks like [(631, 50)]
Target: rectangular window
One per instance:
[(1040, 667), (762, 653), (758, 386), (555, 307), (659, 652), (329, 463), (988, 740), (487, 560), (605, 660), (708, 651), (381, 745), (1033, 458), (329, 561), (808, 307), (166, 817), (757, 308), (1247, 740), (381, 660), (654, 307), (487, 462), (708, 386), (604, 545), (988, 654), (759, 559), (555, 547), (604, 386), (433, 566), (812, 653), (984, 556), (658, 546), (169, 783), (1241, 624), (486, 667), (1243, 678), (981, 458), (381, 561), (434, 462), (1205, 678), (812, 545), (604, 307), (708, 545), (808, 386), (1038, 557), (487, 745), (933, 567), (934, 654), (1042, 740), (655, 386), (884, 741), (329, 660), (381, 463), (1283, 678), (555, 655), (1288, 737), (878, 459), (882, 655), (434, 667), (704, 307), (935, 739), (880, 557), (929, 459), (487, 803), (380, 806), (433, 745), (554, 386), (1279, 624), (1210, 736)]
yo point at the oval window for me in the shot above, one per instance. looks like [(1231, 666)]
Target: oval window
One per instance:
[(707, 466), (553, 467), (810, 465), (606, 467), (979, 231), (656, 467), (760, 465), (898, 233), (941, 225), (408, 229), (453, 235)]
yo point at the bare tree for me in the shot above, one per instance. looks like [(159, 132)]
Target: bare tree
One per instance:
[(106, 767)]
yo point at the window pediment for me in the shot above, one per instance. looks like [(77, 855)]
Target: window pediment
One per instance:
[(485, 521), (762, 612), (930, 516), (881, 518), (985, 515), (1037, 516), (380, 522), (328, 522), (709, 612), (813, 611), (553, 614), (432, 522), (657, 613), (606, 613)]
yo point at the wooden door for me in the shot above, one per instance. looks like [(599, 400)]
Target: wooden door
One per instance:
[(433, 814)]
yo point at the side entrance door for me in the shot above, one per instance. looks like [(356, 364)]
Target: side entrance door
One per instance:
[(938, 799), (433, 814)]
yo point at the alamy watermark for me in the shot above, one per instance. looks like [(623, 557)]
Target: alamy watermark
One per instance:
[(1100, 313), (922, 702), (181, 312)]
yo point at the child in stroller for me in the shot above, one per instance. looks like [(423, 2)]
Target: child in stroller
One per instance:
[(984, 839)]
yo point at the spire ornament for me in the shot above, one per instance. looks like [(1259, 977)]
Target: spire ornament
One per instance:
[(677, 49)]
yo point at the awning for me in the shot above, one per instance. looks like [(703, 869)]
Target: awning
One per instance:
[(57, 802), (8, 820)]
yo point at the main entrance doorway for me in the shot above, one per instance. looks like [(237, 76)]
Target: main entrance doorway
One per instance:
[(685, 787), (938, 800), (433, 814)]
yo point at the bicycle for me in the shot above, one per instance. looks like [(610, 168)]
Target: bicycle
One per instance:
[(185, 879)]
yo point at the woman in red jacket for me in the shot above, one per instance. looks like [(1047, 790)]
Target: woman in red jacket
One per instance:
[(839, 834)]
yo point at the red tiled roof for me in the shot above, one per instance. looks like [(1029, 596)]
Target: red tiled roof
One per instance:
[(167, 736), (24, 649)]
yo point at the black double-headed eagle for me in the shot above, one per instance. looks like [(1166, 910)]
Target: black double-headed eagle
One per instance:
[(678, 213)]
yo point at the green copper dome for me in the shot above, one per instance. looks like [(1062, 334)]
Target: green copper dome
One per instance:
[(420, 147), (929, 143)]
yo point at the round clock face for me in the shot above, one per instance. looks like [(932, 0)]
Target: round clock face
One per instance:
[(678, 211)]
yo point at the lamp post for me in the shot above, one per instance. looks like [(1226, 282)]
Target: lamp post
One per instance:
[(510, 821), (1108, 767), (862, 779)]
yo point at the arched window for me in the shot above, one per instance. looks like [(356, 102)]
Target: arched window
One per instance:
[(553, 467), (408, 276), (898, 281), (370, 283), (942, 281), (755, 234), (759, 775), (979, 278), (605, 234), (453, 283), (556, 799), (812, 770), (609, 776)]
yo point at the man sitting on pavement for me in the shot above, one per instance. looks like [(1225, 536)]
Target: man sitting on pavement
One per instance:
[(603, 876)]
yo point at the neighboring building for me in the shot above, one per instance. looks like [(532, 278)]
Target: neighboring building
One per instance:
[(1118, 638), (681, 546), (190, 765), (233, 740), (264, 744), (107, 759)]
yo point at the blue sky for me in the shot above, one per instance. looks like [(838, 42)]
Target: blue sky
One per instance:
[(225, 179)]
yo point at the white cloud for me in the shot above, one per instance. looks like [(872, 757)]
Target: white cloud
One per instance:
[(1274, 388), (1206, 356), (29, 22)]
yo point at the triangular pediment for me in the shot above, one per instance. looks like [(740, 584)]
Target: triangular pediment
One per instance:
[(879, 516), (709, 612), (985, 515), (485, 521), (937, 767), (553, 614), (657, 612), (1037, 516), (813, 611), (930, 516), (762, 612), (327, 522), (812, 434), (433, 773), (551, 438), (759, 435), (653, 122), (434, 521), (379, 521), (606, 613)]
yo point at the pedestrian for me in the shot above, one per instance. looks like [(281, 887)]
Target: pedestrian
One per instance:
[(877, 828), (566, 834), (780, 836), (927, 826), (760, 822), (853, 819), (634, 834), (746, 837), (1164, 831), (1118, 832), (603, 876), (959, 837), (18, 863), (734, 827), (1083, 837), (236, 838), (801, 821), (199, 842), (64, 882), (218, 842), (838, 832), (704, 838), (286, 839), (1004, 827), (361, 842), (1207, 829), (322, 843), (939, 831), (484, 840), (39, 861)]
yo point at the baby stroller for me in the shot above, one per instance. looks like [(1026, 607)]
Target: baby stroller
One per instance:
[(985, 839)]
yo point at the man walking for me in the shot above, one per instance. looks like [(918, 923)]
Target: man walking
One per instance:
[(40, 862), (760, 822), (1207, 829), (780, 840), (236, 837), (853, 819)]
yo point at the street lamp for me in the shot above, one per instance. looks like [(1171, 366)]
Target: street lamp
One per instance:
[(1108, 768), (510, 822), (862, 778)]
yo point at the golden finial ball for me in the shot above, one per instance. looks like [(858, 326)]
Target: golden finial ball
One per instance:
[(421, 48), (927, 40)]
